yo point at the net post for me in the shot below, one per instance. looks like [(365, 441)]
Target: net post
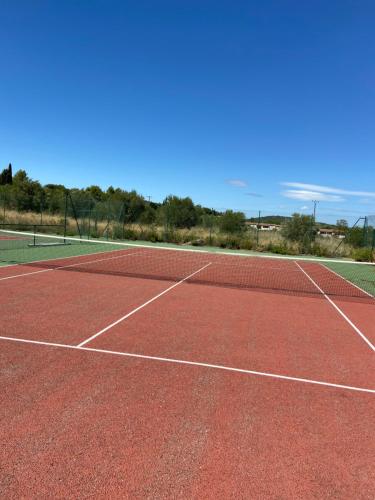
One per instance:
[(41, 207), (75, 214), (89, 225), (365, 232), (4, 205)]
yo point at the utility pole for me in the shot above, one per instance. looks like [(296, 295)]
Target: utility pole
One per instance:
[(315, 204), (258, 228)]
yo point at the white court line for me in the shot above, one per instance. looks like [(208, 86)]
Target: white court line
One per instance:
[(347, 281), (194, 363), (141, 306), (355, 328), (70, 265)]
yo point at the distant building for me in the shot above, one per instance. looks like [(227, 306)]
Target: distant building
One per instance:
[(262, 226), (330, 233)]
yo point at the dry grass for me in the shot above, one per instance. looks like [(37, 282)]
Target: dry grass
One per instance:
[(14, 217), (265, 241)]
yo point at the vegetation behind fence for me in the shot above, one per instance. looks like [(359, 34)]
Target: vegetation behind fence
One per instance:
[(119, 214)]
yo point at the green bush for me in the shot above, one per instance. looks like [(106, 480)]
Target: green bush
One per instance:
[(117, 232), (247, 244), (189, 237), (150, 235), (231, 241), (129, 234), (172, 236), (363, 255), (355, 237), (123, 233), (321, 250), (280, 248), (94, 234)]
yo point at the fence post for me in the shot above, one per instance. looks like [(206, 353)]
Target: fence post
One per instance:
[(365, 232), (65, 214), (258, 228)]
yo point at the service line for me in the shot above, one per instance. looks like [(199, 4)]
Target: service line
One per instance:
[(193, 363)]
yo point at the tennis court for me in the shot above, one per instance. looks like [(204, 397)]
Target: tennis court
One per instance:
[(139, 371)]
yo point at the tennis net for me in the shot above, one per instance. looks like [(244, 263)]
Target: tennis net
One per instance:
[(146, 261)]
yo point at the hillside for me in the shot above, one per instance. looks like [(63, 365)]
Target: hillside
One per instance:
[(280, 219)]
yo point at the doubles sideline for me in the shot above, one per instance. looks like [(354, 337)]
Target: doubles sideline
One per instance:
[(354, 327)]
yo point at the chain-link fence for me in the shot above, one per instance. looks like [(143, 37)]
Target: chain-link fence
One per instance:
[(128, 216)]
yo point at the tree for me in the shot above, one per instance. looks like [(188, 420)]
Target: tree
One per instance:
[(342, 224), (26, 192), (54, 198), (148, 216), (208, 221), (134, 205), (6, 176), (299, 228), (232, 222), (178, 212), (96, 193)]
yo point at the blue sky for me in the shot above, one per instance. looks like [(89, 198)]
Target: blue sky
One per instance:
[(246, 105)]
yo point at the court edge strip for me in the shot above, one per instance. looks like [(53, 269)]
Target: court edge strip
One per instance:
[(76, 264), (192, 363), (59, 258), (141, 306), (355, 328), (349, 282)]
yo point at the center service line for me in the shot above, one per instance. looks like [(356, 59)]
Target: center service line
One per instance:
[(141, 306)]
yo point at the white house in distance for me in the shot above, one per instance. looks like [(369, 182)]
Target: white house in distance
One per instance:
[(324, 232), (263, 226), (330, 233)]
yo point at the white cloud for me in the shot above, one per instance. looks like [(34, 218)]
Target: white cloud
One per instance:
[(326, 189), (311, 195), (255, 195), (305, 207), (365, 201), (237, 183)]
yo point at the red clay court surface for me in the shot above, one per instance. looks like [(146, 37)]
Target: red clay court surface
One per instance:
[(127, 387)]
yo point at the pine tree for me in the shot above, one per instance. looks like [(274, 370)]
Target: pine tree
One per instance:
[(6, 176), (10, 174)]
